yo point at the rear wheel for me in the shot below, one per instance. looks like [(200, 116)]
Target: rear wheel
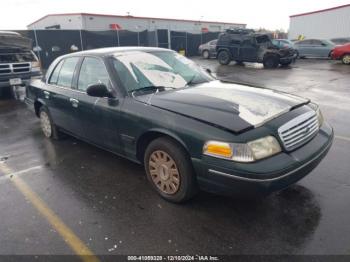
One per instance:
[(224, 57), (169, 170), (205, 54), (346, 59), (271, 61), (47, 126)]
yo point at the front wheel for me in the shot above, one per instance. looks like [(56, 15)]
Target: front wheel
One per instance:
[(169, 170), (271, 61), (346, 59), (224, 57)]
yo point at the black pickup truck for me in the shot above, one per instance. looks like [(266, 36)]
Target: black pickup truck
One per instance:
[(18, 64)]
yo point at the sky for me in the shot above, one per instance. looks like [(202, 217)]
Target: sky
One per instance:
[(268, 14)]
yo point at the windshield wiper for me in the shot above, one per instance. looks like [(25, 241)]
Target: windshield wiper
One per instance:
[(150, 88), (191, 81)]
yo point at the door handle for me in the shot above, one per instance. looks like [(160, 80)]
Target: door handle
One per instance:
[(47, 94), (74, 102)]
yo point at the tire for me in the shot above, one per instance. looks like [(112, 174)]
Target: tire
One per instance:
[(297, 53), (224, 57), (271, 61), (162, 155), (206, 54), (48, 127), (346, 59)]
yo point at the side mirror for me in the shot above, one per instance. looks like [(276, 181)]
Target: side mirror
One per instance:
[(98, 90), (210, 73)]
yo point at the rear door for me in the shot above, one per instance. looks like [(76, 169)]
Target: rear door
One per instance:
[(58, 92), (99, 116)]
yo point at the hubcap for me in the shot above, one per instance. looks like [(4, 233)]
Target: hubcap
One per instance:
[(164, 172), (45, 124), (206, 54), (346, 59)]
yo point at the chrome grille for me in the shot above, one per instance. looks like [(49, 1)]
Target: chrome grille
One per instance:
[(5, 69), (299, 130), (15, 68)]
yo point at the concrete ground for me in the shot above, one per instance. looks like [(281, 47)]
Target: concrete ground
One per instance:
[(68, 197)]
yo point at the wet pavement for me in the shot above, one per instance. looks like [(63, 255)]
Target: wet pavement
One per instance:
[(107, 203)]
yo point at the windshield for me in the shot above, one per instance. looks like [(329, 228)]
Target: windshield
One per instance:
[(138, 70)]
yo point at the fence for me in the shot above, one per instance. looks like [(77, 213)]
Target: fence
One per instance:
[(49, 44)]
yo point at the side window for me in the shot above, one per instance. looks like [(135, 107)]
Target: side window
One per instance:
[(316, 42), (54, 76), (305, 42), (93, 71), (67, 71)]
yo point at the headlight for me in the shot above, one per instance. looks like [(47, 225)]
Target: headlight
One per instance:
[(250, 152), (318, 113), (36, 66)]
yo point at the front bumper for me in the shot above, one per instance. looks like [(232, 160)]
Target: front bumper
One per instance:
[(264, 176), (25, 77), (288, 59)]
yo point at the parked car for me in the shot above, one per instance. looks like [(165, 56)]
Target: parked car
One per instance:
[(283, 43), (189, 130), (340, 40), (18, 64), (341, 52), (208, 50), (246, 46), (317, 48)]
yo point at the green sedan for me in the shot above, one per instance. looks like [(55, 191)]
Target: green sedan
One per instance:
[(189, 130)]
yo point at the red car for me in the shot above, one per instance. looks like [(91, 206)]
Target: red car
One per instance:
[(341, 52)]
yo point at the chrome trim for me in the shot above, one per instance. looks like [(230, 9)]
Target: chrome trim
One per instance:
[(14, 67), (271, 179), (299, 130)]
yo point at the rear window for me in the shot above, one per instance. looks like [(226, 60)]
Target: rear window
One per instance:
[(9, 57), (67, 70)]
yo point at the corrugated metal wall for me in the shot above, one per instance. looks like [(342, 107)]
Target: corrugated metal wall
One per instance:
[(328, 24)]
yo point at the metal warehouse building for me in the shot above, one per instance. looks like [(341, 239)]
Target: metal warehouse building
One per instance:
[(328, 23), (98, 22)]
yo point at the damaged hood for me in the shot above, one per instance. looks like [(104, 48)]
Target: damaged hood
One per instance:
[(15, 41), (231, 106)]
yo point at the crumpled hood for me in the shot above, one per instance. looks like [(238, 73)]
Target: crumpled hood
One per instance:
[(231, 106), (7, 40)]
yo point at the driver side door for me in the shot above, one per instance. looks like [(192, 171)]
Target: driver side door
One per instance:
[(100, 115)]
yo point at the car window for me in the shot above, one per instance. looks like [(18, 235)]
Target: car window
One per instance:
[(316, 42), (304, 42), (213, 42), (67, 71), (54, 76), (93, 71), (137, 69)]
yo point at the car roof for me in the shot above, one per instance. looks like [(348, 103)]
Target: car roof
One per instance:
[(108, 51)]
